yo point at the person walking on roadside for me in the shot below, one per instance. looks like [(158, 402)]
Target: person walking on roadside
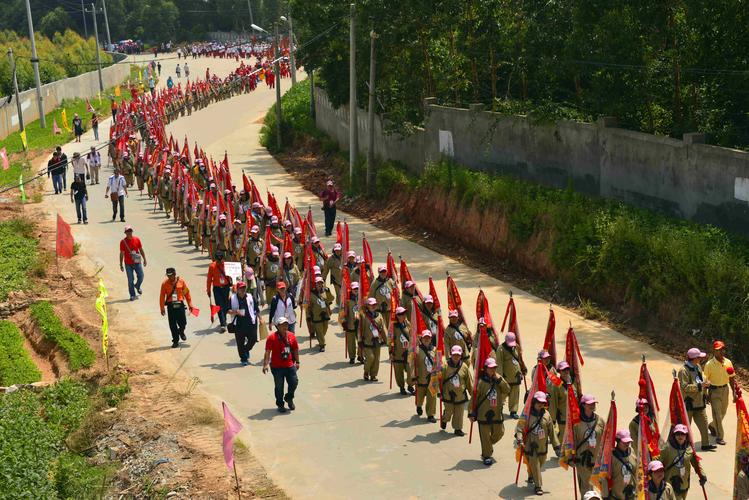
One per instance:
[(56, 170), (95, 125), (282, 306), (282, 356), (244, 323), (152, 86), (491, 392), (117, 191), (93, 159), (79, 195), (80, 167), (172, 297), (64, 162), (187, 69), (694, 387), (221, 285), (716, 373), (77, 127), (658, 488), (178, 70), (158, 67), (678, 457), (329, 198), (133, 257), (588, 434)]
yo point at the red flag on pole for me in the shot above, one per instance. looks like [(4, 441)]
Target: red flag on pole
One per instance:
[(440, 326), (482, 309), (550, 345), (742, 439), (366, 252), (247, 186), (604, 462), (339, 234), (569, 449), (574, 358), (64, 239), (512, 324)]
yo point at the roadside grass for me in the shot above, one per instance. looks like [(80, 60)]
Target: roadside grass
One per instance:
[(79, 353), (18, 255), (16, 366)]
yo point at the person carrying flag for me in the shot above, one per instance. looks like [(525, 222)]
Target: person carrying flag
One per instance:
[(319, 311), (457, 334), (399, 353), (658, 487), (587, 439), (271, 275), (558, 404), (382, 289), (491, 392), (290, 273), (677, 456), (508, 358), (429, 314), (373, 336), (532, 435), (623, 470), (694, 386), (409, 295), (424, 363), (350, 322), (456, 382), (172, 297), (254, 247), (634, 425), (333, 267), (220, 283)]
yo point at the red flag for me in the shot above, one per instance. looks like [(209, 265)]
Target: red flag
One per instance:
[(346, 242), (214, 311), (311, 223), (288, 245), (89, 108), (647, 391), (366, 252), (440, 326), (392, 271), (64, 239), (247, 186), (605, 460), (643, 457), (339, 234), (569, 449), (574, 358), (550, 345), (482, 309), (742, 438), (363, 285), (512, 325)]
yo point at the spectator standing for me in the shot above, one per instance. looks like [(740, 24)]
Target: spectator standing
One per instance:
[(282, 356), (134, 258), (244, 324), (158, 67), (95, 125), (77, 127), (55, 169), (64, 163), (79, 195), (329, 198), (174, 293), (94, 164), (117, 191), (80, 167)]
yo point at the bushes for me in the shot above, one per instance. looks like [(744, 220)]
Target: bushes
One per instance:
[(79, 354), (16, 366), (18, 255), (296, 121)]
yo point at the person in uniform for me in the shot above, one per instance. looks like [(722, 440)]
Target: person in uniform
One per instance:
[(290, 274), (508, 357), (373, 336), (409, 294), (318, 252), (545, 358), (493, 342), (456, 382), (353, 268), (677, 456), (350, 321), (318, 313), (587, 440), (165, 191), (742, 479), (623, 469), (716, 373), (221, 234), (532, 435), (658, 488), (423, 371), (399, 351), (457, 334), (430, 316), (275, 228), (693, 387), (634, 425), (254, 248), (558, 404), (333, 267), (235, 241), (296, 242), (382, 289), (271, 274), (491, 391)]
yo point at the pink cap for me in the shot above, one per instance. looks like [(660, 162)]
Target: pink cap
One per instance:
[(316, 269), (563, 365), (287, 255), (255, 204), (540, 396), (543, 354), (249, 273), (274, 220), (428, 299), (655, 465), (588, 399), (329, 183), (350, 253), (227, 191), (237, 221), (281, 285), (490, 363), (453, 314), (355, 285), (456, 349), (222, 217), (381, 268), (426, 333), (400, 310), (274, 253), (315, 239), (318, 279), (695, 353), (642, 401), (510, 339), (359, 260), (337, 246), (287, 223), (681, 428), (408, 284), (273, 248), (371, 301), (297, 230), (128, 228), (624, 436), (254, 229)]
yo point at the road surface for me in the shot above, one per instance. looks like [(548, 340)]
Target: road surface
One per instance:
[(348, 438)]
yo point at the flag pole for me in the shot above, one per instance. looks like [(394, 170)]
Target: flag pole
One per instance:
[(574, 479), (236, 478)]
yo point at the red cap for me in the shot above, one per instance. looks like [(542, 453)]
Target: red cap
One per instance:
[(718, 344)]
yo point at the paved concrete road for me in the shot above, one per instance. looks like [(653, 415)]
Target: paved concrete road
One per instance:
[(347, 438)]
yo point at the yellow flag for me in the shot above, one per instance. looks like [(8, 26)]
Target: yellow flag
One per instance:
[(140, 75), (101, 306), (117, 91), (64, 119), (24, 141), (102, 289)]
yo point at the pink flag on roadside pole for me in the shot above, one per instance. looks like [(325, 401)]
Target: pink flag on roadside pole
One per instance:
[(231, 429), (4, 157), (55, 129)]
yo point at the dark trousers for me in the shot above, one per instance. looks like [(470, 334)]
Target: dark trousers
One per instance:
[(246, 338), (221, 296), (289, 375), (329, 220), (121, 202), (177, 320)]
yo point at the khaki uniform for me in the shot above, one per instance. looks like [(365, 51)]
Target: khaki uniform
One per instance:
[(382, 291), (320, 257), (254, 251), (508, 360), (424, 364), (351, 324), (690, 380), (677, 461), (536, 441), (742, 485), (430, 320), (373, 337), (494, 347), (298, 253), (457, 335), (270, 273), (665, 493), (353, 272), (558, 407), (318, 313), (623, 476), (490, 398), (399, 352), (291, 276), (587, 441), (333, 267), (407, 303), (716, 373), (165, 194), (634, 429), (456, 382), (221, 236)]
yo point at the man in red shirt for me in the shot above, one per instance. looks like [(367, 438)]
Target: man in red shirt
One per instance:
[(282, 354), (131, 252), (329, 198), (221, 287)]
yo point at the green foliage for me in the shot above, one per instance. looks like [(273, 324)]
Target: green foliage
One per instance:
[(55, 21), (114, 393), (18, 255), (296, 120), (16, 366), (390, 177), (75, 478), (79, 353)]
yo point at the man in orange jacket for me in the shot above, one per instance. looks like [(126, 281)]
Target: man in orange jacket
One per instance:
[(221, 287), (174, 293)]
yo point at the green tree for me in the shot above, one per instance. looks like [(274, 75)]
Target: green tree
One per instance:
[(55, 21)]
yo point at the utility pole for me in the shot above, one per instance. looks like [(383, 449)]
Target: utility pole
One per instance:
[(106, 23), (15, 88), (249, 6), (96, 39), (83, 15), (35, 62), (291, 49), (353, 145), (277, 79), (371, 116)]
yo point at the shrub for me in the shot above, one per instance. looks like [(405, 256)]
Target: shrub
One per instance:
[(18, 253), (79, 353), (16, 366), (296, 120)]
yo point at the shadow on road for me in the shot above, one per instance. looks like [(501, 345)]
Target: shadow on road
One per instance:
[(433, 437), (468, 465), (222, 366), (336, 365), (512, 492), (350, 384), (267, 414), (403, 424), (386, 396)]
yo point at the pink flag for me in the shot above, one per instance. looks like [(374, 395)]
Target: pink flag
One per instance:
[(4, 156), (55, 129), (231, 429)]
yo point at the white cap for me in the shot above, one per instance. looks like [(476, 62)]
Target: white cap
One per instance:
[(337, 246)]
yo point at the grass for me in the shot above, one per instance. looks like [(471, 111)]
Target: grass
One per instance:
[(296, 121), (16, 366), (18, 255), (79, 353)]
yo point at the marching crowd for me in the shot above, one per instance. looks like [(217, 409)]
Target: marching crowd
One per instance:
[(263, 255)]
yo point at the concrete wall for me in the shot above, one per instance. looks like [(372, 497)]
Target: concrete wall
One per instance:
[(681, 178), (84, 85)]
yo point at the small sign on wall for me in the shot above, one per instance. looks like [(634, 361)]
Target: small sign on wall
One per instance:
[(446, 143), (741, 189)]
